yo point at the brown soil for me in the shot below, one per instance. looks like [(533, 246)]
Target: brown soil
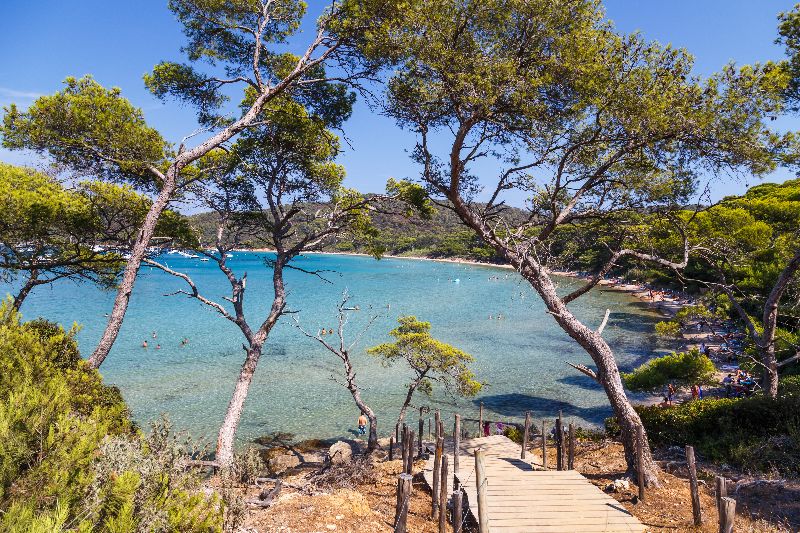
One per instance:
[(368, 507)]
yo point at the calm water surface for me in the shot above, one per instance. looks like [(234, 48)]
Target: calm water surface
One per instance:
[(521, 358)]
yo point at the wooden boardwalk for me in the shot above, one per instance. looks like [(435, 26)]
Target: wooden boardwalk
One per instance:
[(522, 497)]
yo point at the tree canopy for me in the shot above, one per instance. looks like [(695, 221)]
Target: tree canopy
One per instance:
[(431, 360), (684, 368)]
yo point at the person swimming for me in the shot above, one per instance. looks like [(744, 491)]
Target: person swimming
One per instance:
[(144, 344)]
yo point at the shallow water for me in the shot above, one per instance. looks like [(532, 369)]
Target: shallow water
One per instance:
[(521, 358)]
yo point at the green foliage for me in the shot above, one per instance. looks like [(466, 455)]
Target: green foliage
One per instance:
[(686, 368), (757, 433), (91, 130), (50, 232), (430, 359), (70, 456), (667, 328)]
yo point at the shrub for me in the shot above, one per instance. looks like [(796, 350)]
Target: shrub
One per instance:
[(70, 456), (789, 385), (668, 329), (684, 368), (757, 433)]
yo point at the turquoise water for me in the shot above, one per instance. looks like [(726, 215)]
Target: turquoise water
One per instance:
[(521, 358)]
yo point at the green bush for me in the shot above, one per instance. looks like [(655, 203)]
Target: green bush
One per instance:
[(70, 456), (789, 385), (757, 433), (685, 368), (668, 329)]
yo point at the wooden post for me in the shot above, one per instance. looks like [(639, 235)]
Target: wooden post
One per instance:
[(437, 466), (403, 500), (559, 449), (437, 421), (727, 514), (456, 444), (698, 517), (480, 421), (397, 432), (571, 448), (404, 451), (457, 510), (443, 497), (639, 460), (410, 453), (722, 492), (391, 448), (525, 434), (430, 435), (481, 485), (544, 445), (421, 430)]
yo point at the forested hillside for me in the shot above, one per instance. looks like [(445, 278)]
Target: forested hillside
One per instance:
[(442, 235)]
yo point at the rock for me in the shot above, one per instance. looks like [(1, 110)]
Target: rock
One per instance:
[(618, 485), (281, 463), (340, 453)]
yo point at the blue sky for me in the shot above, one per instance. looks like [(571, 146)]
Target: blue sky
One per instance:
[(43, 42)]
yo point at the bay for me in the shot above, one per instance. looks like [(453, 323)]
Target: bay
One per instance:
[(297, 389)]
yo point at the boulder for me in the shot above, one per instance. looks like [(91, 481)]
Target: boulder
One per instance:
[(619, 485), (281, 463), (340, 453)]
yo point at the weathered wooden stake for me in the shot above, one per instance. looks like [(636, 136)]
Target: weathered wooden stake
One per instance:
[(437, 421), (410, 453), (559, 449), (443, 497), (391, 448), (421, 429), (571, 448), (727, 514), (544, 445), (722, 492), (525, 434), (482, 489), (397, 432), (457, 510), (404, 450), (437, 466), (480, 421), (640, 459), (403, 500), (430, 435), (456, 443), (698, 517)]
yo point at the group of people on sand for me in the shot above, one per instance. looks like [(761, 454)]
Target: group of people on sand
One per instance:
[(739, 384), (184, 341)]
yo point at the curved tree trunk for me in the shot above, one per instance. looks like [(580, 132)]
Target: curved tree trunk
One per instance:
[(25, 290), (597, 348), (372, 440), (132, 269), (770, 319), (227, 431)]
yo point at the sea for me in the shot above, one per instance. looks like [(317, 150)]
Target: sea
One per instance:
[(298, 388)]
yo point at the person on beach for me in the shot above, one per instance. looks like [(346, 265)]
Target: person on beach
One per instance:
[(728, 383), (362, 424), (670, 393)]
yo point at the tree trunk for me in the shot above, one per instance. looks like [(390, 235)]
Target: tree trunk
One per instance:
[(372, 440), (411, 388), (227, 432), (770, 319), (132, 269), (25, 290), (597, 348)]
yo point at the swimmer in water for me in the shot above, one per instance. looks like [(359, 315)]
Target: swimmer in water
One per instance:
[(144, 344), (185, 341), (155, 335), (158, 346)]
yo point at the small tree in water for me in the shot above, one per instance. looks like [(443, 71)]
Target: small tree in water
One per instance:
[(430, 359)]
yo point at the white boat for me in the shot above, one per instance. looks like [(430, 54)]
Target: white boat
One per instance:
[(228, 255)]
